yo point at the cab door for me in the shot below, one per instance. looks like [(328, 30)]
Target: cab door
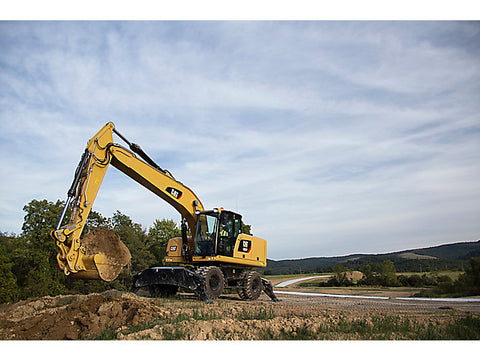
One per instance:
[(228, 233)]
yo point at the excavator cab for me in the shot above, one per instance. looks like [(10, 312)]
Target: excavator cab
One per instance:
[(216, 232)]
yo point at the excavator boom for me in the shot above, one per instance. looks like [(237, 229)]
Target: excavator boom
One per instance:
[(101, 254)]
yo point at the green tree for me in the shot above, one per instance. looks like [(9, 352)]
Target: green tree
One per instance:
[(468, 283), (367, 271), (43, 276), (8, 281), (40, 219), (340, 278), (158, 235), (472, 272), (94, 220), (246, 229), (388, 274), (135, 238)]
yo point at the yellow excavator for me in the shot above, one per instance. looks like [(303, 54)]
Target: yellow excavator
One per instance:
[(211, 255)]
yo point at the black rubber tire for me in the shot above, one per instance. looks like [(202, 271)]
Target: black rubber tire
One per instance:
[(241, 285), (214, 280), (162, 291), (253, 285), (241, 293)]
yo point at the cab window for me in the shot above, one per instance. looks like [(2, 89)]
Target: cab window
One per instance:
[(206, 234), (226, 237)]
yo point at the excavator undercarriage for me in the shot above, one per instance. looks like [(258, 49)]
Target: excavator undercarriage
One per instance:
[(208, 282)]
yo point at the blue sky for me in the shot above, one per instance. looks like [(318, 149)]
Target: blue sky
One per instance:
[(331, 138)]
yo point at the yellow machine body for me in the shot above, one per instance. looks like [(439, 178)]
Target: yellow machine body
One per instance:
[(249, 251)]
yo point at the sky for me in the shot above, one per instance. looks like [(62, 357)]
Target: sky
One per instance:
[(329, 137)]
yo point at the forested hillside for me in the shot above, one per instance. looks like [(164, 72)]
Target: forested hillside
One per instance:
[(443, 257)]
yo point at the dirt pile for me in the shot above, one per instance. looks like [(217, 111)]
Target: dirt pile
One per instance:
[(73, 317), (354, 275)]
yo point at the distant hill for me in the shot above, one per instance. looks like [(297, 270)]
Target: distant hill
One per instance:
[(442, 257)]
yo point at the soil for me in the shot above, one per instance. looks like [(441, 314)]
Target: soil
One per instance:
[(106, 242), (125, 316)]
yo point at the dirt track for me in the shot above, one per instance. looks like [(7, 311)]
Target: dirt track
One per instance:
[(114, 315)]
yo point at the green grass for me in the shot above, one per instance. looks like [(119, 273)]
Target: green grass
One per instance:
[(174, 334), (204, 315), (384, 328), (144, 326), (107, 334), (375, 328), (67, 300), (260, 314)]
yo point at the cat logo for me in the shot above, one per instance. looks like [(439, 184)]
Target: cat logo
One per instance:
[(245, 246), (177, 194)]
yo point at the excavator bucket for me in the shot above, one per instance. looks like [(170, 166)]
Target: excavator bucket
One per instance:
[(106, 255)]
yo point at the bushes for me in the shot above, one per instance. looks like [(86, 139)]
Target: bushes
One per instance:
[(382, 275), (8, 284), (467, 284), (424, 280)]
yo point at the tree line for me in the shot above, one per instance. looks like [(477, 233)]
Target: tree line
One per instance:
[(28, 264)]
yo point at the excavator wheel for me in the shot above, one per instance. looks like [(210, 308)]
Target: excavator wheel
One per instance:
[(241, 293), (214, 280), (241, 285), (163, 291), (253, 285)]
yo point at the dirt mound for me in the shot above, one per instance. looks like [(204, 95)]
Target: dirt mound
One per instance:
[(73, 317), (354, 275)]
